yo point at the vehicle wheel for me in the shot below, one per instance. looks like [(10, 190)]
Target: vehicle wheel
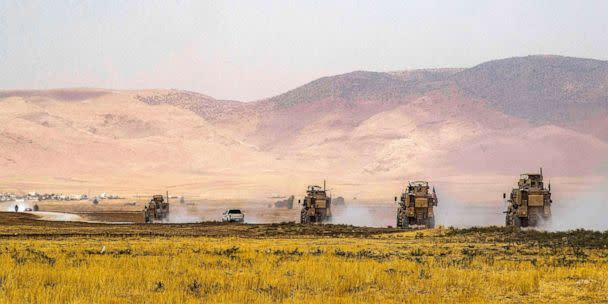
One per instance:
[(431, 222), (399, 219), (517, 222), (406, 222), (507, 222), (303, 217), (402, 220)]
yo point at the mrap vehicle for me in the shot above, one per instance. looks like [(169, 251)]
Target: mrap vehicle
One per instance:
[(416, 206), (157, 209), (316, 207), (530, 203)]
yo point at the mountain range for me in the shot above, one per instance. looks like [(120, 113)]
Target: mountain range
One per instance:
[(470, 131)]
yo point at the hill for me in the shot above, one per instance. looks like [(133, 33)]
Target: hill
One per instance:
[(367, 132), (540, 88)]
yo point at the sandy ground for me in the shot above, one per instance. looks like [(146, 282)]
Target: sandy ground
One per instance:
[(57, 216), (21, 224), (567, 215), (364, 214)]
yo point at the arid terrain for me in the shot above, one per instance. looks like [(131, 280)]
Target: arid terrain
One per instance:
[(315, 152), (469, 131), (63, 262)]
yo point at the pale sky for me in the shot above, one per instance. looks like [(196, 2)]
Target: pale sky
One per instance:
[(248, 50)]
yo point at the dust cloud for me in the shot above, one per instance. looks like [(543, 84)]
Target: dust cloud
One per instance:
[(20, 203), (587, 210), (372, 215), (458, 214), (356, 215), (448, 213), (584, 209), (180, 214)]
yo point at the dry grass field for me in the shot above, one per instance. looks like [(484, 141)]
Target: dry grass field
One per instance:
[(60, 262)]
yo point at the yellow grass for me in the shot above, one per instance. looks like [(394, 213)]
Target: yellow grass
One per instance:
[(408, 267)]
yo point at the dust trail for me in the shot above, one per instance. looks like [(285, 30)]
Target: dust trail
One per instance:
[(587, 211), (372, 215), (253, 216), (180, 214), (447, 213), (584, 210), (20, 203), (462, 215), (59, 216), (190, 212)]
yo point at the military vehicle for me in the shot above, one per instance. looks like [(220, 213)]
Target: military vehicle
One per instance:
[(316, 207), (530, 203), (157, 209), (416, 206)]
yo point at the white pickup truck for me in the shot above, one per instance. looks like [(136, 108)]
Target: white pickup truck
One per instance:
[(233, 215)]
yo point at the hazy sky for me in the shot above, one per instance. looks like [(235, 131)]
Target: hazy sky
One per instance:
[(247, 50)]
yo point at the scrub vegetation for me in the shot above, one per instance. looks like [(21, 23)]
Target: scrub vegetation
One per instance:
[(479, 265)]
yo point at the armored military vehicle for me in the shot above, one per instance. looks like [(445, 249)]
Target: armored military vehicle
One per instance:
[(416, 206), (530, 203), (157, 209), (316, 206)]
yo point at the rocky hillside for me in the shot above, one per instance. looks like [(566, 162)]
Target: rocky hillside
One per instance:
[(468, 130), (540, 88)]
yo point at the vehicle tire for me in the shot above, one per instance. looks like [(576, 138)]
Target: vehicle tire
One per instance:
[(402, 220), (303, 217), (399, 220), (517, 222), (431, 223)]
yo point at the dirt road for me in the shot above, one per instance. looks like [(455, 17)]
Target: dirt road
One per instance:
[(20, 224)]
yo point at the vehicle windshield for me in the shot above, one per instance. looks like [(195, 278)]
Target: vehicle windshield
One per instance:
[(419, 184), (234, 211)]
